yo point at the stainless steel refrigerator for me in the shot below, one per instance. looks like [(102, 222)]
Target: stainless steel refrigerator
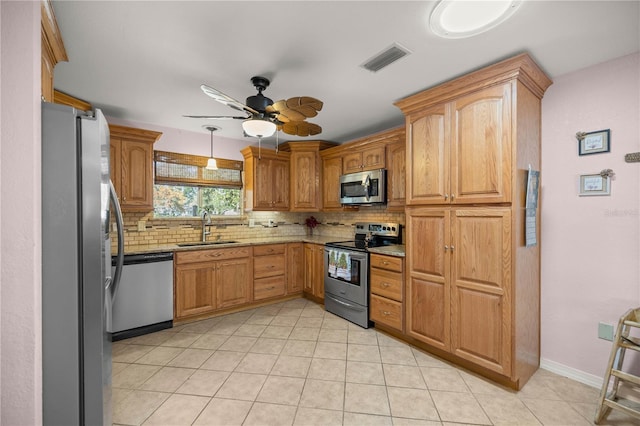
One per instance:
[(77, 286)]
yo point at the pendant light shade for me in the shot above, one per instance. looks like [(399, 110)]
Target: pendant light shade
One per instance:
[(258, 127), (211, 162)]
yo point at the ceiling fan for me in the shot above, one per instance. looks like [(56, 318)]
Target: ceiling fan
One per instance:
[(263, 116)]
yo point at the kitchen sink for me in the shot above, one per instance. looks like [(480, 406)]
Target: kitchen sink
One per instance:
[(206, 243)]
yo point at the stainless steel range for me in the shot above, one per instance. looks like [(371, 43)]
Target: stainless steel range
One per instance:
[(346, 270)]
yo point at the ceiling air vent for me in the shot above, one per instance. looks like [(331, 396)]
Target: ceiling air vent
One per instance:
[(386, 57)]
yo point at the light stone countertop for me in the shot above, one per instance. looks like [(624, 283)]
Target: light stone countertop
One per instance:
[(392, 250)]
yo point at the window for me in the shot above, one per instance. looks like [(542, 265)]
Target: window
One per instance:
[(183, 187)]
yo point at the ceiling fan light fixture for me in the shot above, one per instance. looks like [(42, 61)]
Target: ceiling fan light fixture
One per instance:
[(466, 18), (258, 127)]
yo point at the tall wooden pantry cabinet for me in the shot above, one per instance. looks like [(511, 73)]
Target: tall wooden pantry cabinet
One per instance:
[(473, 287)]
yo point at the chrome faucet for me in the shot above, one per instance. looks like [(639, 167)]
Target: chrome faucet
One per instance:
[(206, 220)]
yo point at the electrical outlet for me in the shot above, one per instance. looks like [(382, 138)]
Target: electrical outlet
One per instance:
[(142, 226), (605, 331)]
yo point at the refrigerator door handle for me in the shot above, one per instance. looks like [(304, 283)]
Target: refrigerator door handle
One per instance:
[(113, 284)]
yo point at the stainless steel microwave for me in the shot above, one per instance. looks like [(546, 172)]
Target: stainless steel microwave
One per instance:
[(364, 188)]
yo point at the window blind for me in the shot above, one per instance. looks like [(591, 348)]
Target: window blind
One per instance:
[(185, 169)]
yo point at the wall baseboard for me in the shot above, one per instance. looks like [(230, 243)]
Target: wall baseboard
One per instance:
[(572, 373)]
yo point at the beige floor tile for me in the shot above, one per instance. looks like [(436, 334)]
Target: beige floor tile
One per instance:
[(506, 410), (369, 337), (427, 360), (223, 361), (403, 376), (317, 417), (296, 303), (277, 331), (203, 383), (400, 421), (117, 367), (250, 330), (238, 343), (570, 390), (459, 407), (290, 312), (397, 355), (137, 406), (612, 418), (152, 339), (134, 376), (284, 321), (160, 355), (330, 350), (480, 385), (536, 388), (367, 399), (260, 319), (359, 419), (257, 363), (331, 335), (281, 390), (365, 372), (209, 341), (444, 379), (167, 379), (191, 358), (304, 333), (129, 353), (200, 327), (225, 328), (385, 340), (243, 386), (181, 340), (270, 310), (178, 410), (327, 369), (299, 348), (263, 414), (323, 394), (335, 322), (313, 311), (412, 403), (313, 322), (291, 366), (364, 353), (224, 412), (266, 345), (559, 413)]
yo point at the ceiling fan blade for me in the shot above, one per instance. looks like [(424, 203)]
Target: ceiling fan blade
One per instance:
[(227, 100), (301, 128), (305, 105), (226, 117)]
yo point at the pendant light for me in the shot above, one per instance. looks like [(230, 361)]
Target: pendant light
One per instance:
[(211, 163)]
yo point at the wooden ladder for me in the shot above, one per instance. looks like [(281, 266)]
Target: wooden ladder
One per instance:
[(621, 342)]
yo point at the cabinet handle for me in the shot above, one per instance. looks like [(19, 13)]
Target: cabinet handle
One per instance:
[(384, 262), (386, 313), (385, 284), (216, 254)]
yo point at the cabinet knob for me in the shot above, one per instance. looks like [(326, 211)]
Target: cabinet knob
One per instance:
[(452, 196), (452, 247), (386, 313), (446, 196), (384, 262), (446, 248), (385, 284)]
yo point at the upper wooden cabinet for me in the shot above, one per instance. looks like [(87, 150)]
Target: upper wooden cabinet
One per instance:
[(306, 174), (132, 166), (463, 136), (53, 50), (331, 172), (396, 170), (368, 157), (266, 179)]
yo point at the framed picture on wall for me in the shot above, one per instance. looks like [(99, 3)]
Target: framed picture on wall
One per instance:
[(594, 142), (595, 184)]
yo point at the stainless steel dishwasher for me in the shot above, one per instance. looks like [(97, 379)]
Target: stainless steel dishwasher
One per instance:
[(144, 300)]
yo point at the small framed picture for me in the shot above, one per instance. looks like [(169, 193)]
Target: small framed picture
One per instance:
[(593, 142), (594, 185)]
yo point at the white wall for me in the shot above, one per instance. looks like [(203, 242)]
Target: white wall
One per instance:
[(20, 241), (590, 245)]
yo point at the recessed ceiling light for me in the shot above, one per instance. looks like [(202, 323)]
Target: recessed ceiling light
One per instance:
[(466, 18)]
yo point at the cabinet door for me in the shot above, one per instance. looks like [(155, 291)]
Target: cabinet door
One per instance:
[(263, 184), (396, 175), (194, 289), (115, 164), (481, 287), (427, 158), (233, 282), (373, 158), (305, 182), (280, 184), (331, 171), (481, 147), (428, 270), (318, 271), (295, 267), (308, 268), (352, 162), (137, 174)]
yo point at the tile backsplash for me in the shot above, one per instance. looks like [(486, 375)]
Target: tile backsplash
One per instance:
[(143, 229)]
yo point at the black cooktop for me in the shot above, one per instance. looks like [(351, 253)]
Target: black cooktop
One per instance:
[(351, 245)]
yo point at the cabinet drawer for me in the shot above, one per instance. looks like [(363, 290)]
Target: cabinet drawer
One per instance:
[(386, 283), (268, 249), (268, 266), (386, 262), (264, 288), (208, 255), (385, 311)]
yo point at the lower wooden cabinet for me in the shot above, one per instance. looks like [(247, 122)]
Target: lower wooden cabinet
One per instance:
[(206, 280), (269, 269), (295, 267), (386, 280), (314, 270)]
